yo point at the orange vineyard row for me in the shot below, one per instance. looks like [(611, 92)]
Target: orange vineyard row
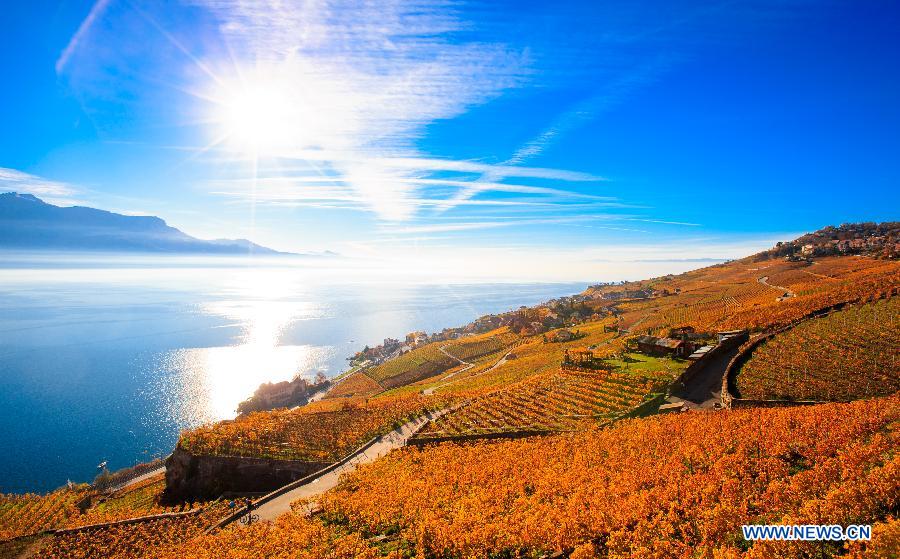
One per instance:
[(853, 353)]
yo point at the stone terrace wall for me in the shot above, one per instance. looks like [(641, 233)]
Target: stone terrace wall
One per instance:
[(190, 476)]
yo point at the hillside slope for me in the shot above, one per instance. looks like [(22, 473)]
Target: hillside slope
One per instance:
[(27, 222)]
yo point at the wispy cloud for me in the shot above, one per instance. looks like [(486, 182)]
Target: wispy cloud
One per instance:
[(338, 96), (55, 192), (581, 113), (83, 29), (364, 80)]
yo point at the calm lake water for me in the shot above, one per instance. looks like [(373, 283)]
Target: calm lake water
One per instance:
[(109, 362)]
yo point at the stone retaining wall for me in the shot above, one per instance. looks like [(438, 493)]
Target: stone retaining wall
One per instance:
[(189, 476)]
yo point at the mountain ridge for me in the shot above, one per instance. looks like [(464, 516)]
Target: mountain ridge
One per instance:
[(27, 222)]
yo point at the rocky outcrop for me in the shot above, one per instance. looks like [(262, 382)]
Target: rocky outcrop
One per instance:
[(189, 476)]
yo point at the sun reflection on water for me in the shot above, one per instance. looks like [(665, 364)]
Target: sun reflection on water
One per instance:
[(211, 381)]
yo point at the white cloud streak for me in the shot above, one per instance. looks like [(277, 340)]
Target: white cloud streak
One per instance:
[(576, 116), (366, 79), (96, 11)]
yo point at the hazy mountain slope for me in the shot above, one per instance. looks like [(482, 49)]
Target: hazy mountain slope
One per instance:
[(27, 222)]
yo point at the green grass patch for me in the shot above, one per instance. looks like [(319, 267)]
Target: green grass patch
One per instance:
[(646, 365)]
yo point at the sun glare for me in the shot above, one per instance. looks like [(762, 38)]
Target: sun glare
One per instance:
[(277, 111), (260, 118)]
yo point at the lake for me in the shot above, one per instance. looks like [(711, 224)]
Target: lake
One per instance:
[(108, 359)]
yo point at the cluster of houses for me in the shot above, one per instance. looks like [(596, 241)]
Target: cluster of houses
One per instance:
[(527, 321), (874, 239), (679, 342), (683, 342), (389, 349)]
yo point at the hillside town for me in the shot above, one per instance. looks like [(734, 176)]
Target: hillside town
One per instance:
[(879, 240)]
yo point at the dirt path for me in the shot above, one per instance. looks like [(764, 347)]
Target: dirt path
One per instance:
[(315, 487), (500, 362), (466, 367), (787, 292)]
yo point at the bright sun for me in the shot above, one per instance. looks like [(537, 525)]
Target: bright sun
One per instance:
[(280, 110), (261, 118)]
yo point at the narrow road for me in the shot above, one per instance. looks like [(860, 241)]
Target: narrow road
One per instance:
[(386, 443), (142, 477), (704, 390), (467, 366), (787, 292), (500, 362)]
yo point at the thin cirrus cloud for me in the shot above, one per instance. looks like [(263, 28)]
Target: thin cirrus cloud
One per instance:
[(96, 11), (358, 87), (370, 78), (358, 84), (567, 121)]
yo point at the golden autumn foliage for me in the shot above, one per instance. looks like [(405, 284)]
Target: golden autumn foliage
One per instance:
[(671, 486), (324, 431), (292, 536), (30, 513), (357, 384), (557, 401), (130, 541), (142, 498), (730, 296), (849, 354)]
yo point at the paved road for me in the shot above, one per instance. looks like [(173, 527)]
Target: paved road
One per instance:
[(142, 477), (386, 443), (705, 389)]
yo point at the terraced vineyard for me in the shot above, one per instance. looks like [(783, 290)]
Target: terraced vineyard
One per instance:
[(730, 296), (27, 514), (554, 402), (430, 360), (357, 384), (674, 486), (476, 346), (324, 431), (130, 541), (846, 355), (139, 499), (415, 365)]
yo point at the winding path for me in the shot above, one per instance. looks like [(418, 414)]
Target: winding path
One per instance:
[(787, 292), (275, 507), (467, 366), (501, 361)]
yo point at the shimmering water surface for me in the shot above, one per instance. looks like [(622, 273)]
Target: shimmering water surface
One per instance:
[(109, 362)]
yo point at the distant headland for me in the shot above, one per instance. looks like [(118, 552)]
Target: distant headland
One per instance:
[(29, 223)]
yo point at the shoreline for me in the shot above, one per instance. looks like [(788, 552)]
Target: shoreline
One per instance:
[(542, 291)]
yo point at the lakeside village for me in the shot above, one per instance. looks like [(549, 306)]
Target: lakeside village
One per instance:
[(561, 315)]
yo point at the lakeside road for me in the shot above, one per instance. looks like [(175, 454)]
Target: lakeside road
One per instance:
[(397, 438)]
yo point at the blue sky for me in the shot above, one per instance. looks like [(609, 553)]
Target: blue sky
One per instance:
[(564, 140)]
